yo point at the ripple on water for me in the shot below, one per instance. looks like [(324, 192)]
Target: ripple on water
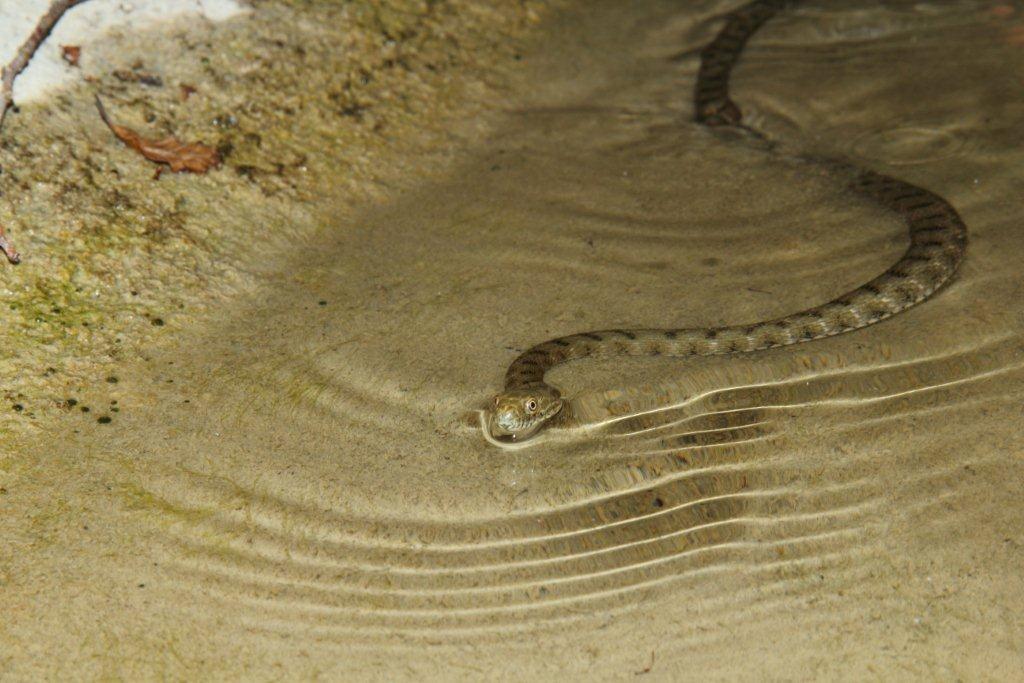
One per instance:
[(689, 492), (727, 489), (909, 145), (865, 26)]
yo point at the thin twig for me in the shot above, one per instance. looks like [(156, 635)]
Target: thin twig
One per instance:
[(27, 49), (9, 251), (11, 71), (103, 112)]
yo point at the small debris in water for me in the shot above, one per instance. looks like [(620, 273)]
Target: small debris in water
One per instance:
[(136, 76), (71, 53), (225, 121), (646, 669)]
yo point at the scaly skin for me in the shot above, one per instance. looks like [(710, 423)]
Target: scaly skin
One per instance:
[(938, 240)]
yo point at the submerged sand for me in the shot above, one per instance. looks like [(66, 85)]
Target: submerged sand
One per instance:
[(293, 485)]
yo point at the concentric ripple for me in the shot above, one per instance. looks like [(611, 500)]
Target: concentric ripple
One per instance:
[(686, 498)]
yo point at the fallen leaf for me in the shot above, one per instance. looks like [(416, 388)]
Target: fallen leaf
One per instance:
[(187, 91), (193, 157), (71, 53)]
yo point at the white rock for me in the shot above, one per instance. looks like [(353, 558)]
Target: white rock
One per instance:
[(83, 25)]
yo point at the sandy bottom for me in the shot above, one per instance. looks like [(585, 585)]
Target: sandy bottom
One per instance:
[(299, 488)]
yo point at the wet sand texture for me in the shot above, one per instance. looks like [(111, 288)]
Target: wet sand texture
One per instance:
[(296, 489)]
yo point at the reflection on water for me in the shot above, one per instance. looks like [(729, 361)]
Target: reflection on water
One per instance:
[(322, 479)]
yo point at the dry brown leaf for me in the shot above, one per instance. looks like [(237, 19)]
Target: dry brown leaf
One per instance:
[(71, 54), (193, 157)]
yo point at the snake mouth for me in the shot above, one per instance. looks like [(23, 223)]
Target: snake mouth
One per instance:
[(503, 434), (497, 436)]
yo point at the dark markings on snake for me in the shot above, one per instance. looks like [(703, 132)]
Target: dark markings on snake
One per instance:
[(900, 287)]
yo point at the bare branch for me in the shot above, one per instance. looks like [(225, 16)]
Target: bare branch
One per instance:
[(11, 71), (8, 249), (27, 49)]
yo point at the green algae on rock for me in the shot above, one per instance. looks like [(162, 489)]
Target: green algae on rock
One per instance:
[(300, 98)]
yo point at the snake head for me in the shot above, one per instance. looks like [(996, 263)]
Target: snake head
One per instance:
[(519, 413)]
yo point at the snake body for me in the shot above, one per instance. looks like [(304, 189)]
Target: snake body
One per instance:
[(938, 240)]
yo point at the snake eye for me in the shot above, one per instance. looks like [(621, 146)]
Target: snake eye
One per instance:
[(531, 406)]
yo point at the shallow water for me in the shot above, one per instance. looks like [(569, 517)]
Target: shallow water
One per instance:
[(304, 479)]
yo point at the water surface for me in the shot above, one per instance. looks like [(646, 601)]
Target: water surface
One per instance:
[(302, 484)]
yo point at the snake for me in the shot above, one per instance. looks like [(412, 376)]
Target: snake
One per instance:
[(938, 241)]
